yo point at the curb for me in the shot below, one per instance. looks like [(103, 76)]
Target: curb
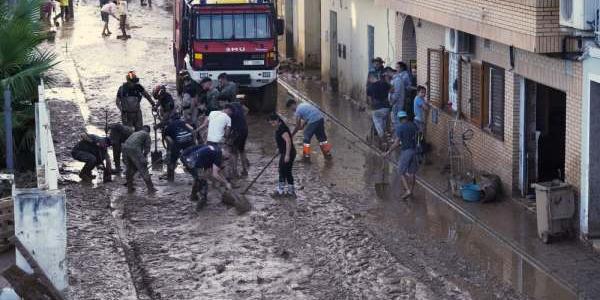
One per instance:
[(440, 195)]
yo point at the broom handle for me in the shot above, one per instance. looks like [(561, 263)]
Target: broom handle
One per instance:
[(260, 173)]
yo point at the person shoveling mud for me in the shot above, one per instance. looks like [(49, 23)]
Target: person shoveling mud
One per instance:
[(205, 162)]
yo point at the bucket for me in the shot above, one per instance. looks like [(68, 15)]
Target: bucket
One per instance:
[(471, 192)]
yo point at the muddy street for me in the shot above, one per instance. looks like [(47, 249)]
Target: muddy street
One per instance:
[(339, 239)]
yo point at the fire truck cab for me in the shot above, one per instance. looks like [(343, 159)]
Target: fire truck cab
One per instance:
[(234, 37)]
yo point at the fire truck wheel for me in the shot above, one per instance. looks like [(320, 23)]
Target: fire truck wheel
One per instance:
[(269, 97)]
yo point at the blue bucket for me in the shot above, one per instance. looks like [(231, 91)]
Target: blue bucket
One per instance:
[(471, 192)]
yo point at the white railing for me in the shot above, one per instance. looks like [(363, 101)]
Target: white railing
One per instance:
[(45, 157)]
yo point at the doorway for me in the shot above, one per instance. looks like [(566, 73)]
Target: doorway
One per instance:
[(289, 28), (545, 113), (333, 50), (409, 46)]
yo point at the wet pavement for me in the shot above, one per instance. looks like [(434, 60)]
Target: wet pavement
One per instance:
[(340, 239), (501, 237)]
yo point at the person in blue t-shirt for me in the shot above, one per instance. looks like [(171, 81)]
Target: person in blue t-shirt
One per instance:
[(199, 161), (406, 140), (420, 108), (311, 120), (179, 136)]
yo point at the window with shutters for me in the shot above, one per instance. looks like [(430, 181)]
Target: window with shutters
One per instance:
[(476, 99), (493, 100), (437, 77)]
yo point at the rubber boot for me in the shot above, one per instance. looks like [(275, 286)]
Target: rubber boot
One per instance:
[(129, 184), (291, 191), (150, 186), (170, 174), (279, 191), (86, 172), (326, 149), (195, 189), (306, 151), (203, 190)]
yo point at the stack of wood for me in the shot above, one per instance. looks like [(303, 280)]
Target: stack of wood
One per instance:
[(7, 223)]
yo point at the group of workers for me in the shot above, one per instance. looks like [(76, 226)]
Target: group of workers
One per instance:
[(206, 131)]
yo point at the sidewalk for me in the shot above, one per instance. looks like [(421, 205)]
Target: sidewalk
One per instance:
[(573, 265)]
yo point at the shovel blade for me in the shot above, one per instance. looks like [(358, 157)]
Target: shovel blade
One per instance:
[(157, 159), (232, 198)]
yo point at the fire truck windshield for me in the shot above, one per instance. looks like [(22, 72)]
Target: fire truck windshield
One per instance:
[(233, 26)]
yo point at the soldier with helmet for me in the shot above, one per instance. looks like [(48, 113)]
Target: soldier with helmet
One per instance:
[(129, 98), (165, 105)]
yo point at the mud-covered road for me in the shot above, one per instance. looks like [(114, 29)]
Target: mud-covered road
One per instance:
[(337, 240)]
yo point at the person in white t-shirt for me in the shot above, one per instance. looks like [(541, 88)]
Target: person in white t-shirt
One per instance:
[(219, 125), (107, 10), (122, 11)]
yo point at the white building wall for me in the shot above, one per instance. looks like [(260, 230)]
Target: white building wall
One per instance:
[(353, 18)]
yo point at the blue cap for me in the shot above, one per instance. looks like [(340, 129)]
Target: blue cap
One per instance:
[(402, 114)]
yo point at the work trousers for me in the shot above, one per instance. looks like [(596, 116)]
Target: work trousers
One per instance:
[(285, 168), (133, 119), (90, 160), (380, 118), (317, 129), (136, 162)]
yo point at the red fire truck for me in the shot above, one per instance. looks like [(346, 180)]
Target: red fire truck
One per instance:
[(232, 36)]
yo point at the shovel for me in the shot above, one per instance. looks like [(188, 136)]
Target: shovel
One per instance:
[(381, 188), (156, 156), (238, 200)]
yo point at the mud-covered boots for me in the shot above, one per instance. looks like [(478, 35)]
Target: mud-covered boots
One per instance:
[(170, 174), (150, 186), (291, 191), (129, 184), (326, 149), (279, 191)]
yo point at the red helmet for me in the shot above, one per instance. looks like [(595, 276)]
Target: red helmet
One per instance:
[(131, 77), (159, 90)]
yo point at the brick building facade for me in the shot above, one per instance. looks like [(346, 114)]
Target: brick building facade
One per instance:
[(513, 88)]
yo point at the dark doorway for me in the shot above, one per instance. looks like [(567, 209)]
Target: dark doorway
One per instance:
[(333, 50), (289, 28), (545, 127)]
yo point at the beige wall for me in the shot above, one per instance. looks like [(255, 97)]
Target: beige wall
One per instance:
[(308, 46), (501, 156), (353, 17), (532, 25)]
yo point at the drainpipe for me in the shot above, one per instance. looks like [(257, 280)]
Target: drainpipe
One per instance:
[(8, 129)]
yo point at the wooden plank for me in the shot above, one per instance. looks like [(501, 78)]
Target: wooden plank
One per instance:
[(25, 285), (54, 294)]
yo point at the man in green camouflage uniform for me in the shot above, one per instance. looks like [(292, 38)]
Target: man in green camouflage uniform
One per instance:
[(135, 152)]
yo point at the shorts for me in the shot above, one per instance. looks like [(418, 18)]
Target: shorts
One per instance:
[(239, 143), (104, 17), (420, 125), (408, 164), (315, 129)]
